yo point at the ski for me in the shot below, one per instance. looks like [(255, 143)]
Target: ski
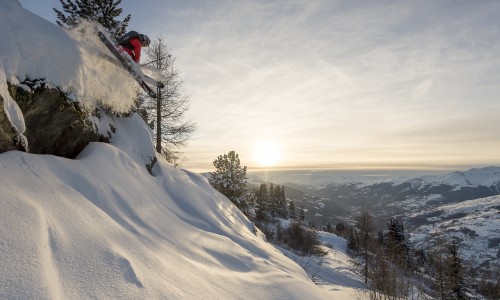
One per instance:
[(126, 64), (146, 78)]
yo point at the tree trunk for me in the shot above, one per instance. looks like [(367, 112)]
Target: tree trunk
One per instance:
[(366, 257), (158, 120)]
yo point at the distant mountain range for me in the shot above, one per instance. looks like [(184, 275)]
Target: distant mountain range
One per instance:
[(462, 204), (394, 196)]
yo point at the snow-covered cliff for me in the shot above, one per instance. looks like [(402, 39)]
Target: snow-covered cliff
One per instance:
[(52, 82), (33, 48)]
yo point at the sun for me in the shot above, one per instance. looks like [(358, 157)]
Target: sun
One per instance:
[(267, 153)]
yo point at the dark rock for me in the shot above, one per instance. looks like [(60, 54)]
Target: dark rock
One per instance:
[(54, 123), (7, 132)]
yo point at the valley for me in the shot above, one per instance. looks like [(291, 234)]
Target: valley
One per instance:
[(463, 205)]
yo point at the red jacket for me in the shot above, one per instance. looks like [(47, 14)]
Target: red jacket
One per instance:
[(135, 53)]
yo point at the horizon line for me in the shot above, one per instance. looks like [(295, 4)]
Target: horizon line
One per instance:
[(253, 169)]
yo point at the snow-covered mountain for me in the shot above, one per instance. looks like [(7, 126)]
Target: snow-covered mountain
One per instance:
[(475, 223), (103, 225), (463, 204), (487, 177), (399, 196)]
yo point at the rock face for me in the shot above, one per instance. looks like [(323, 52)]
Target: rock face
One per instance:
[(7, 132), (54, 123)]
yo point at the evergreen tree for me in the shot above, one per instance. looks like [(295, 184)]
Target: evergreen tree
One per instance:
[(352, 240), (170, 106), (341, 229), (437, 265), (329, 227), (302, 216), (381, 239), (284, 207), (397, 243), (396, 232), (291, 211), (272, 201), (71, 20), (455, 280), (279, 195), (262, 200), (249, 204), (104, 12), (229, 178)]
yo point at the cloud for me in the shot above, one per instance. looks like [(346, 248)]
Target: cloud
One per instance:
[(326, 76)]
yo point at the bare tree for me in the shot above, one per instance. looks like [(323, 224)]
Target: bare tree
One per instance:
[(364, 225), (168, 111), (438, 266)]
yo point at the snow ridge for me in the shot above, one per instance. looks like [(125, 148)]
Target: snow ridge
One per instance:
[(489, 177)]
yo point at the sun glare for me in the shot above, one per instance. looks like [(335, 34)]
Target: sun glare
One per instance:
[(267, 154)]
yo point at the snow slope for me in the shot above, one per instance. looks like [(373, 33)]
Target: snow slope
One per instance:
[(335, 272), (474, 223), (488, 177), (101, 226)]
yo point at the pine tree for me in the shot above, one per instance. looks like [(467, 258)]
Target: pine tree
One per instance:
[(249, 204), (291, 211), (397, 243), (229, 178), (279, 196), (381, 239), (104, 12), (272, 201), (171, 105), (284, 208), (329, 227), (341, 229), (352, 240), (302, 216), (437, 264), (455, 280), (71, 20), (262, 200)]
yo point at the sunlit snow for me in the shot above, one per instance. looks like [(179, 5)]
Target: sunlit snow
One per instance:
[(101, 226)]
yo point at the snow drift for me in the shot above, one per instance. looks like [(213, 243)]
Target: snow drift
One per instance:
[(101, 226)]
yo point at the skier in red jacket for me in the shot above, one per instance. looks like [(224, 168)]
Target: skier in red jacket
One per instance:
[(132, 43)]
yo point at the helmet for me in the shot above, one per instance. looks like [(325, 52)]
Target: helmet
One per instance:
[(145, 40)]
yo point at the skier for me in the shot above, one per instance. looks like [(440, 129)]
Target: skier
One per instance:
[(132, 43)]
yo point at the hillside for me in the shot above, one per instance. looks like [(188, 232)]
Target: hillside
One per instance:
[(474, 223), (397, 196), (101, 226), (462, 204)]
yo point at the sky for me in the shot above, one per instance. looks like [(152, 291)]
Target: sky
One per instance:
[(333, 83)]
